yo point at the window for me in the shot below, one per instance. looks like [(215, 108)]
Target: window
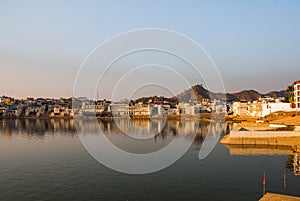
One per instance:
[(298, 87), (298, 105)]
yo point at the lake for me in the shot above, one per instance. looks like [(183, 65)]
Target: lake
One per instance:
[(45, 160)]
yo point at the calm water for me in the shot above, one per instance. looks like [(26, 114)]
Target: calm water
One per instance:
[(45, 160)]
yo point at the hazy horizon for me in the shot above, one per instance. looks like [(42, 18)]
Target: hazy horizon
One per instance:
[(254, 44)]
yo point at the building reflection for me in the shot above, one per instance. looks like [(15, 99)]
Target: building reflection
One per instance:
[(160, 129), (292, 163), (196, 130), (8, 127)]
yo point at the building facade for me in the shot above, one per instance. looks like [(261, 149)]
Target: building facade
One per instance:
[(119, 109), (297, 94), (259, 109), (240, 108)]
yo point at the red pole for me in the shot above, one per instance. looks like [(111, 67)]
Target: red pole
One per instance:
[(264, 183)]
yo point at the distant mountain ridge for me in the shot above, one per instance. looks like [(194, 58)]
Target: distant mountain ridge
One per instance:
[(198, 92)]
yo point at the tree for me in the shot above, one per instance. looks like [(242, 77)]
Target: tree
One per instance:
[(290, 91)]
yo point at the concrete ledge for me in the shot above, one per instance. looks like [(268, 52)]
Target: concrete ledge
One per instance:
[(269, 141), (263, 134), (278, 197)]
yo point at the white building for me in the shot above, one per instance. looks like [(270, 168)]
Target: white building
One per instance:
[(160, 110), (220, 107), (297, 94), (255, 109), (187, 108), (140, 110), (119, 109), (259, 109), (268, 108), (240, 108)]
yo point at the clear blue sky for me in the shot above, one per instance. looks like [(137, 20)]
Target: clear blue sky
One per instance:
[(255, 44)]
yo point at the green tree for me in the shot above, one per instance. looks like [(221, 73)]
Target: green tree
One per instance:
[(290, 91)]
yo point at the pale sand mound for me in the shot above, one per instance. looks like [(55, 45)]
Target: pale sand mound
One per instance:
[(295, 120), (289, 118)]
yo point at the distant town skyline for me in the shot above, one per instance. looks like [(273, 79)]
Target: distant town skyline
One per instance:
[(254, 44)]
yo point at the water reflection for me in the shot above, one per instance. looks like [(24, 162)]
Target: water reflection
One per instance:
[(58, 166), (10, 127), (292, 163), (193, 132)]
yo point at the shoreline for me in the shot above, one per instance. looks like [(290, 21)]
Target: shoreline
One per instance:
[(203, 117)]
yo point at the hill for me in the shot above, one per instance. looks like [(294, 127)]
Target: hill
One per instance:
[(198, 92)]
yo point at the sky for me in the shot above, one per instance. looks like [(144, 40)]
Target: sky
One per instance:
[(254, 44)]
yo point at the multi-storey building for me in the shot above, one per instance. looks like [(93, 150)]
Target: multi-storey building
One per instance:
[(297, 94)]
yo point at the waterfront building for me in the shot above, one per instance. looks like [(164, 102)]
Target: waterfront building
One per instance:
[(165, 108), (11, 112), (35, 110), (119, 109), (297, 94), (58, 111), (240, 108), (2, 99), (2, 111), (259, 108), (91, 108), (255, 109), (100, 108), (219, 107), (186, 108), (140, 110), (88, 107), (160, 110), (268, 108)]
